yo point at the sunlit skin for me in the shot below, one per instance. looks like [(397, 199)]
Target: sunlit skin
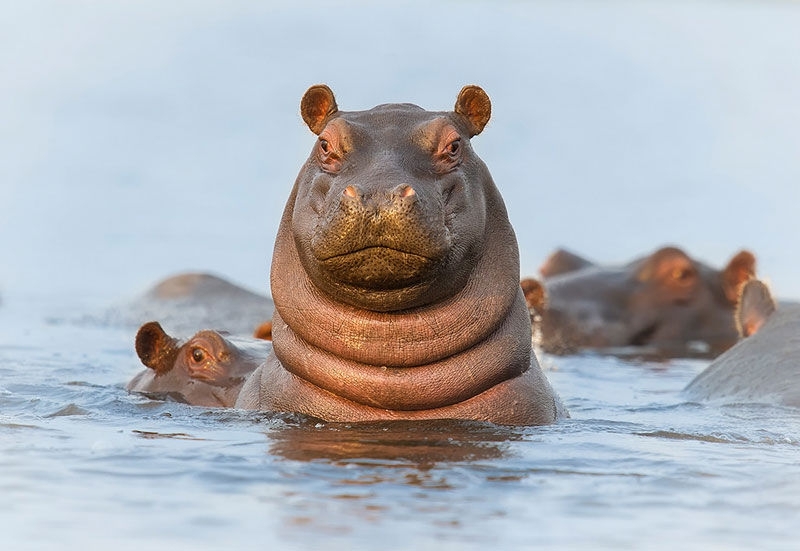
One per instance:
[(207, 370), (395, 276)]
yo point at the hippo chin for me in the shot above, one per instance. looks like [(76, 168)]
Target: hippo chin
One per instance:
[(765, 365), (208, 369), (666, 304), (395, 277)]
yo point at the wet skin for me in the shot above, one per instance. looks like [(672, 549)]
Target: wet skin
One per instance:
[(765, 365), (666, 303), (395, 276), (208, 369)]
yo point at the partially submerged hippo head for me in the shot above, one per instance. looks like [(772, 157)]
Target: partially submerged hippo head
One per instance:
[(395, 276), (206, 370), (666, 301)]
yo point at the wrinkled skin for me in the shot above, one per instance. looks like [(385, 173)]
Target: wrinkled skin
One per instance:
[(665, 304), (395, 277), (765, 365), (208, 369)]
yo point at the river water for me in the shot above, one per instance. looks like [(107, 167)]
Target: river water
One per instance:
[(141, 139)]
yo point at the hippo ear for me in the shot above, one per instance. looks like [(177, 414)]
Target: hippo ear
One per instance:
[(669, 265), (155, 348), (316, 107), (535, 294), (264, 331), (755, 306), (561, 262), (739, 270), (474, 104)]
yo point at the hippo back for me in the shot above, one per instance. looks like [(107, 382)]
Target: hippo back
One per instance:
[(188, 302), (764, 367)]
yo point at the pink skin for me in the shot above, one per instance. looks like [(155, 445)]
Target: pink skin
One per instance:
[(208, 369)]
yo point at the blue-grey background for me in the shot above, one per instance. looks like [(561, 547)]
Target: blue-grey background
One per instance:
[(142, 138)]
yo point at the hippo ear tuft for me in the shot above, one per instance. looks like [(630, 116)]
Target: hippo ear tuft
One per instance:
[(316, 107), (739, 270), (155, 348), (264, 331), (535, 294), (755, 306), (474, 104)]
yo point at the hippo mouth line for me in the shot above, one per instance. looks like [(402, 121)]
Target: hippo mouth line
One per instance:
[(379, 249), (214, 376), (380, 268), (643, 336)]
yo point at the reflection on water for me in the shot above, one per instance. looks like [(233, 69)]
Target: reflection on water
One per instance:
[(420, 445)]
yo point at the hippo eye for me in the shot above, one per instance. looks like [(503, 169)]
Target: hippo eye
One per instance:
[(681, 274), (454, 146), (198, 355), (329, 157)]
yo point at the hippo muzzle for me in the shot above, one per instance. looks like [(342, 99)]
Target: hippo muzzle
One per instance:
[(381, 238)]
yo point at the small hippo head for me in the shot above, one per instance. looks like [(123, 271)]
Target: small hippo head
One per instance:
[(666, 300), (390, 207), (207, 369)]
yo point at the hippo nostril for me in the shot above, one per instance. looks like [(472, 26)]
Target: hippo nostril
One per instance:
[(405, 190)]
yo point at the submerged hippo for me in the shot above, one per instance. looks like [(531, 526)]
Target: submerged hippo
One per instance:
[(395, 276), (666, 303), (188, 302), (205, 370), (765, 365)]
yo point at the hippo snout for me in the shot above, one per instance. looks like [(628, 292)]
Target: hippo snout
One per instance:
[(397, 200), (395, 217)]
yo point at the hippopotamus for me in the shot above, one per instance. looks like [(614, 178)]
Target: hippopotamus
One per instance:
[(765, 365), (395, 276), (188, 302), (206, 370), (666, 303)]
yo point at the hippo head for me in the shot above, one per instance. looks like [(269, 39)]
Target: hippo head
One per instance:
[(666, 300), (209, 357), (384, 218)]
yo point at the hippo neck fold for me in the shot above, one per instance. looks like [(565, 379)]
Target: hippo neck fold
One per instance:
[(453, 349)]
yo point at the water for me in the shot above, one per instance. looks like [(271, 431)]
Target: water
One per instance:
[(141, 139), (86, 465)]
